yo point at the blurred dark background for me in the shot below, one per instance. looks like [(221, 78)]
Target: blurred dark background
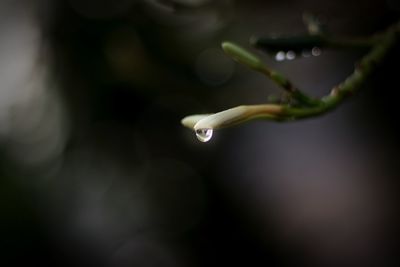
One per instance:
[(96, 169)]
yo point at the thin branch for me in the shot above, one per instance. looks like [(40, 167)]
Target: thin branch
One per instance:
[(252, 61), (302, 43), (308, 107)]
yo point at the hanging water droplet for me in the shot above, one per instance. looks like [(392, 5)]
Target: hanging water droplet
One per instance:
[(316, 51), (290, 55), (306, 53), (280, 56), (204, 135)]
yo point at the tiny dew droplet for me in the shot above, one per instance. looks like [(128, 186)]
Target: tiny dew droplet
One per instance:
[(290, 55), (280, 56), (204, 135), (306, 53), (316, 51)]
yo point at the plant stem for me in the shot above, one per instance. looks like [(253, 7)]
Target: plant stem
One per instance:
[(252, 61), (309, 107), (353, 83)]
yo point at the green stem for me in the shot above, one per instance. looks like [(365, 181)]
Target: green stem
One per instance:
[(312, 107), (349, 86), (252, 61), (343, 43), (301, 43), (288, 86), (362, 70)]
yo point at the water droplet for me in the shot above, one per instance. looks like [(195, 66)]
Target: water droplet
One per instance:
[(280, 56), (316, 51), (290, 55), (306, 53), (204, 135)]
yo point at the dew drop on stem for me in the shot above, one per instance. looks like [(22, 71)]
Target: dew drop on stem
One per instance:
[(316, 51), (280, 56), (290, 55)]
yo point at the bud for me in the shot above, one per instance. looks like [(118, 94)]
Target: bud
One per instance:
[(236, 115), (191, 120)]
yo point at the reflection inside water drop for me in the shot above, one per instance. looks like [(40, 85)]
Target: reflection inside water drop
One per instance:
[(204, 135)]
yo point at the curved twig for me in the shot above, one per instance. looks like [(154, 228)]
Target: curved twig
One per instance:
[(306, 106)]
